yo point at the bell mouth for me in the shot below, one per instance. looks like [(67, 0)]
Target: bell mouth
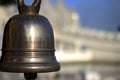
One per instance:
[(29, 61), (29, 68)]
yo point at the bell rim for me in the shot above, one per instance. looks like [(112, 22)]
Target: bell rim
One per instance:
[(28, 68), (28, 50)]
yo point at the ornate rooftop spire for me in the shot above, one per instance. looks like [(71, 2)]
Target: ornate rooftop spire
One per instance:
[(60, 2)]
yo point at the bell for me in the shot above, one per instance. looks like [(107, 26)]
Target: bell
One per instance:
[(28, 42)]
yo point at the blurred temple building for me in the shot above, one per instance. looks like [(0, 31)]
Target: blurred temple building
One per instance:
[(73, 42)]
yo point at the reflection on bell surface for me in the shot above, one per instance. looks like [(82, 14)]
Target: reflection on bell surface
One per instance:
[(28, 42)]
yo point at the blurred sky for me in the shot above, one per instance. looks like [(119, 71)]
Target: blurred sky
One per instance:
[(100, 14)]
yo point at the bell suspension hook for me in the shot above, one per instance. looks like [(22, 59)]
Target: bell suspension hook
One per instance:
[(32, 9)]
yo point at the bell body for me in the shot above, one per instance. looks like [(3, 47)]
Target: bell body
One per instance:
[(28, 45)]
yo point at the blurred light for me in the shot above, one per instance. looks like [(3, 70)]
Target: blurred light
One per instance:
[(75, 16), (32, 34)]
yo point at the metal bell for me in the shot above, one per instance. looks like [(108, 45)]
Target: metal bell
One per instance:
[(28, 42)]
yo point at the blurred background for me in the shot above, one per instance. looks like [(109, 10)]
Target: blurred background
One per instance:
[(87, 37)]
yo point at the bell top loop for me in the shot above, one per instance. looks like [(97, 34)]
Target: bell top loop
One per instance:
[(28, 10)]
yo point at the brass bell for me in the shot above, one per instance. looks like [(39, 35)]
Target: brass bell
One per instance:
[(28, 42)]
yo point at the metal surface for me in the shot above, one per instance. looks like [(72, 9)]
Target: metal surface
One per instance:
[(28, 42)]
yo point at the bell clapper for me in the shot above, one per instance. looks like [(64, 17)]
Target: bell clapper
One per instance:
[(30, 76)]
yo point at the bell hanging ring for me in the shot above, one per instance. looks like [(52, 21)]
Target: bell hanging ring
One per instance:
[(28, 42)]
